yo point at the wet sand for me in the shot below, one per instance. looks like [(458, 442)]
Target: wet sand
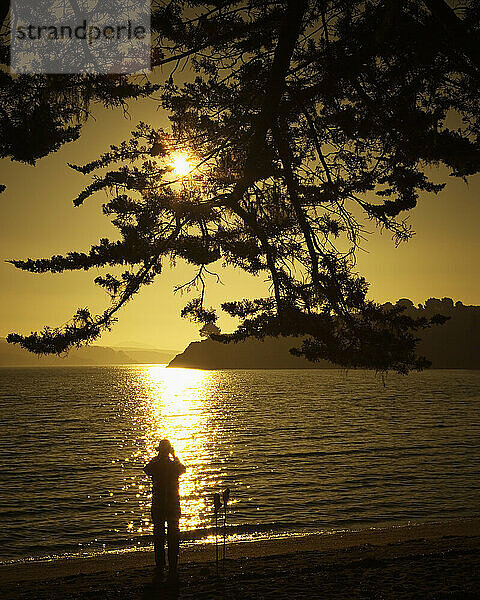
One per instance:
[(440, 561)]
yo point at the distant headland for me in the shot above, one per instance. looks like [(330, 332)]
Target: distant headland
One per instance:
[(14, 356), (454, 345)]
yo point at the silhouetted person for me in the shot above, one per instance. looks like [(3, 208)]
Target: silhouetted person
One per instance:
[(165, 469)]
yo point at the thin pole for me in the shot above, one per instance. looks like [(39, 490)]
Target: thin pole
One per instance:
[(216, 507), (224, 534), (226, 496), (216, 540)]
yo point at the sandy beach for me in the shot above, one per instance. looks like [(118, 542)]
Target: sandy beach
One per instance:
[(439, 561)]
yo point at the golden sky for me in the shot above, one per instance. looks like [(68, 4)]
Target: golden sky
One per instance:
[(38, 219)]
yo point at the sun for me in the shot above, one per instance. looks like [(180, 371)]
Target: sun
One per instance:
[(181, 165)]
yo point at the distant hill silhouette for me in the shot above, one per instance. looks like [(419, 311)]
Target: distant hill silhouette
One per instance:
[(148, 355), (272, 353), (454, 345), (14, 356)]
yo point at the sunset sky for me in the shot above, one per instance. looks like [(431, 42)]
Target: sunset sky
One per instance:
[(39, 220)]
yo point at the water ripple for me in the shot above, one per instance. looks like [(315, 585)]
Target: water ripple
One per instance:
[(301, 450)]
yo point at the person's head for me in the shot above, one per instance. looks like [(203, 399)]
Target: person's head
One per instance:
[(164, 448)]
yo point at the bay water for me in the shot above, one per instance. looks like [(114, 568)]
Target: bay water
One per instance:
[(301, 451)]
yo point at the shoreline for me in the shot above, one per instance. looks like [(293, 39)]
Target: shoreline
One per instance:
[(328, 542), (434, 562)]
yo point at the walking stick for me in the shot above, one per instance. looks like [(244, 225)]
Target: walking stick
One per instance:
[(216, 506), (226, 496)]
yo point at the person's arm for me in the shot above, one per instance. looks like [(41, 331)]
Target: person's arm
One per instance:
[(180, 468), (149, 468)]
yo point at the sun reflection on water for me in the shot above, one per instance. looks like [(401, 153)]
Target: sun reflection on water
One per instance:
[(176, 405)]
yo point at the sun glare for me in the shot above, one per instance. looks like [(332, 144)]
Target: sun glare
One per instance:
[(181, 165), (176, 405)]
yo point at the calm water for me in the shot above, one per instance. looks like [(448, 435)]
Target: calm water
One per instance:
[(300, 450)]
